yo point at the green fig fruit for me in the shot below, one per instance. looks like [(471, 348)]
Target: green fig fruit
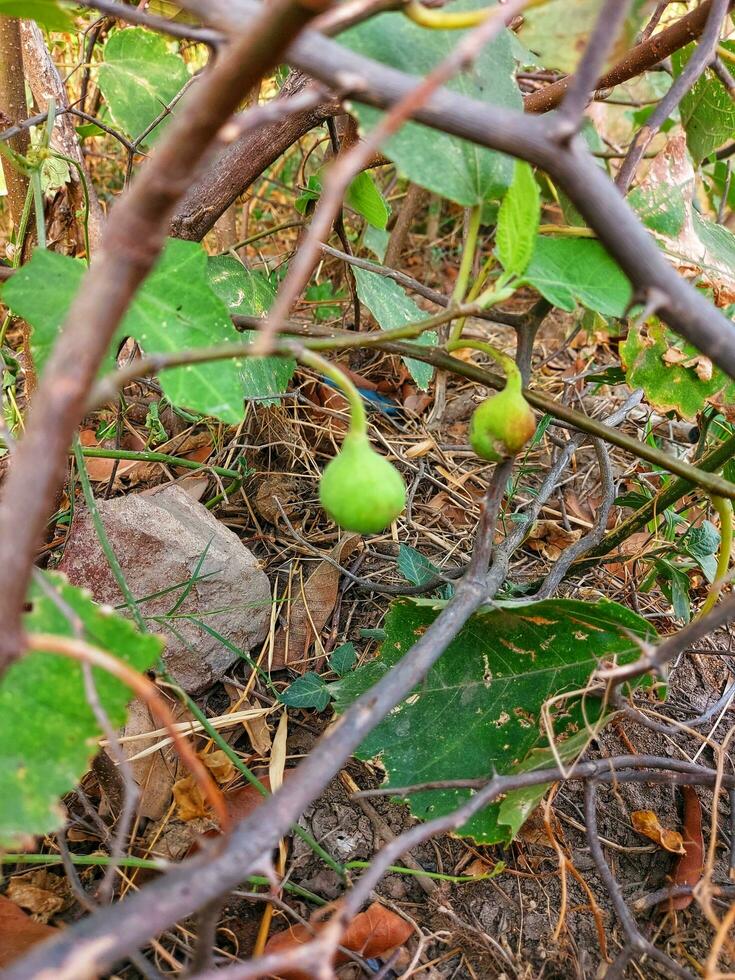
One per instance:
[(501, 425), (360, 490)]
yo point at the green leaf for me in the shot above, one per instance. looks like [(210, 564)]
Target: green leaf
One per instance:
[(557, 32), (451, 167), (376, 240), (48, 732), (312, 192), (251, 294), (324, 291), (703, 544), (365, 198), (173, 311), (707, 110), (139, 77), (414, 567), (518, 221), (392, 308), (479, 709), (665, 366), (661, 208), (343, 659), (570, 270), (308, 691), (46, 13)]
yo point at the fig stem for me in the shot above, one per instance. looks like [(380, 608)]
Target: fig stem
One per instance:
[(465, 267), (725, 513), (358, 418), (514, 382)]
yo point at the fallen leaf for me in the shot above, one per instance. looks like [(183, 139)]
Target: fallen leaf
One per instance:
[(646, 822), (18, 932), (220, 766), (275, 489), (40, 892), (311, 606), (99, 469), (372, 933), (690, 865), (550, 539)]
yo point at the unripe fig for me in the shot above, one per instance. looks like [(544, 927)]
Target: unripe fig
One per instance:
[(360, 490), (502, 425)]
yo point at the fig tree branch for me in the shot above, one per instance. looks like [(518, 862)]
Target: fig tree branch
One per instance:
[(701, 58), (93, 945), (645, 55), (132, 241)]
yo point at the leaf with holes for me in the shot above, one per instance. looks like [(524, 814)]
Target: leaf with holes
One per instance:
[(251, 294), (673, 374), (479, 709), (567, 271), (48, 731), (139, 78), (392, 308), (451, 167), (174, 310)]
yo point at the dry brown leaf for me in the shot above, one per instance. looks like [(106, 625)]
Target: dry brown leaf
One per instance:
[(156, 772), (190, 804), (18, 932), (310, 608), (646, 822), (41, 893), (220, 766), (100, 470), (550, 538), (442, 503), (257, 727), (275, 489), (372, 933), (690, 865)]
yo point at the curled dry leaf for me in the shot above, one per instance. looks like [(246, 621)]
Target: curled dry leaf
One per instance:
[(690, 865), (374, 932), (646, 822), (311, 606), (550, 539), (18, 932), (41, 893), (190, 804)]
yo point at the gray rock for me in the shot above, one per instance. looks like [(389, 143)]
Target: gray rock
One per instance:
[(159, 540)]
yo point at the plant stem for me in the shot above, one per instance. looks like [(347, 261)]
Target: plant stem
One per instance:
[(468, 252), (724, 512), (441, 20), (149, 456), (358, 418), (151, 864), (507, 363), (641, 450), (664, 499)]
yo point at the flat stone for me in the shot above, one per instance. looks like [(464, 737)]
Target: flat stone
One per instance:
[(162, 540)]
